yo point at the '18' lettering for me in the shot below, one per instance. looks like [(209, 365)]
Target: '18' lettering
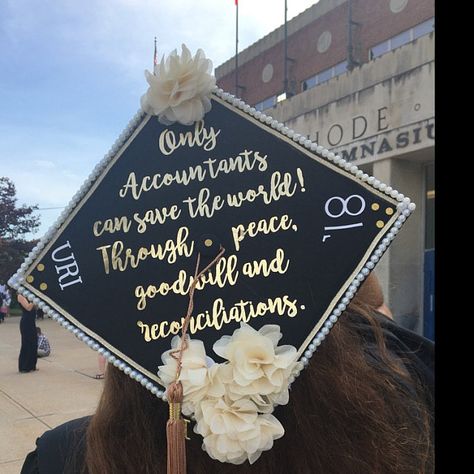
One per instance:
[(341, 206)]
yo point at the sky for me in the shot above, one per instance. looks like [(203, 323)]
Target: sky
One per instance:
[(72, 74)]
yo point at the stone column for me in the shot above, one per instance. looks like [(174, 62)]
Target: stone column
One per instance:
[(401, 269)]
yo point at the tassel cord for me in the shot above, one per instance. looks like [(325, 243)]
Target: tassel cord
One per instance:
[(176, 427)]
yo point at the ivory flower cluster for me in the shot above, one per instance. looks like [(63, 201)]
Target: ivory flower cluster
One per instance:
[(232, 402), (180, 89)]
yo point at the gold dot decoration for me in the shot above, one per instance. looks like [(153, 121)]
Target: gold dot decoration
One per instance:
[(43, 286), (375, 206), (208, 242), (40, 267), (389, 211), (379, 224), (30, 278)]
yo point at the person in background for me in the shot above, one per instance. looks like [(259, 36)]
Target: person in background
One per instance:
[(5, 301), (2, 316), (44, 348), (101, 362), (29, 340)]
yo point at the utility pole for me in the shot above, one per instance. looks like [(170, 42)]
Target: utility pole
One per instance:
[(286, 81), (351, 61), (236, 48), (286, 51)]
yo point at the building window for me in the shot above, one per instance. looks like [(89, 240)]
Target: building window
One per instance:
[(340, 68), (402, 38), (324, 76), (423, 29), (380, 49), (430, 207), (267, 103), (310, 83)]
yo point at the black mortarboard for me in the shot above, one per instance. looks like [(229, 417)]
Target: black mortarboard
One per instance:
[(301, 229)]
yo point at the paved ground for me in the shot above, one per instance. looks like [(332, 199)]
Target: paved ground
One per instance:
[(62, 389)]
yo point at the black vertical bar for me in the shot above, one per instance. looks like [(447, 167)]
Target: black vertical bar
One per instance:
[(350, 58), (236, 49), (286, 53)]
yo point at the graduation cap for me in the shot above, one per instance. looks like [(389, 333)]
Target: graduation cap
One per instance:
[(288, 229)]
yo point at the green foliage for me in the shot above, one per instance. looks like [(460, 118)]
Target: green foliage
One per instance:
[(15, 222)]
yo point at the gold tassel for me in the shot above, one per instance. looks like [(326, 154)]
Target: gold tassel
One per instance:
[(176, 430), (176, 427)]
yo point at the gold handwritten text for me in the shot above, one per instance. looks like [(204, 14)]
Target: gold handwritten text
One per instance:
[(246, 160), (205, 205), (263, 226), (115, 224), (224, 273), (154, 216), (201, 137), (264, 267), (242, 311), (118, 258)]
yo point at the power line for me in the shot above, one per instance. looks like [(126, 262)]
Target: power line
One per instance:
[(49, 208)]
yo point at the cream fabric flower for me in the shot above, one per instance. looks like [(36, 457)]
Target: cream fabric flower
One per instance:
[(234, 432), (232, 401), (259, 366), (267, 403), (198, 380), (181, 89)]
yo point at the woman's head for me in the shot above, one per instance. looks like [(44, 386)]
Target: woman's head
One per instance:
[(371, 295), (349, 412)]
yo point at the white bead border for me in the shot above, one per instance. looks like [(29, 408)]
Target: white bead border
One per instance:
[(405, 207), (19, 277)]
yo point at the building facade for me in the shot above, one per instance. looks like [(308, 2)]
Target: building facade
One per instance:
[(358, 78)]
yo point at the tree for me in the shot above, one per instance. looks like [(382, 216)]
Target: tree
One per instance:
[(15, 222), (12, 254)]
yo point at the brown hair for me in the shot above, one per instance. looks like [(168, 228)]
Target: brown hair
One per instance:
[(370, 292), (348, 414)]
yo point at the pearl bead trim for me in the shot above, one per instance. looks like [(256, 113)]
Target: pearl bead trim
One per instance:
[(404, 207)]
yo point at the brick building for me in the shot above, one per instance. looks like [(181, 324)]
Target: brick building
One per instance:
[(360, 81)]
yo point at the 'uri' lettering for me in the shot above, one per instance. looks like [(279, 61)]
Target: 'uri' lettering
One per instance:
[(68, 270)]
